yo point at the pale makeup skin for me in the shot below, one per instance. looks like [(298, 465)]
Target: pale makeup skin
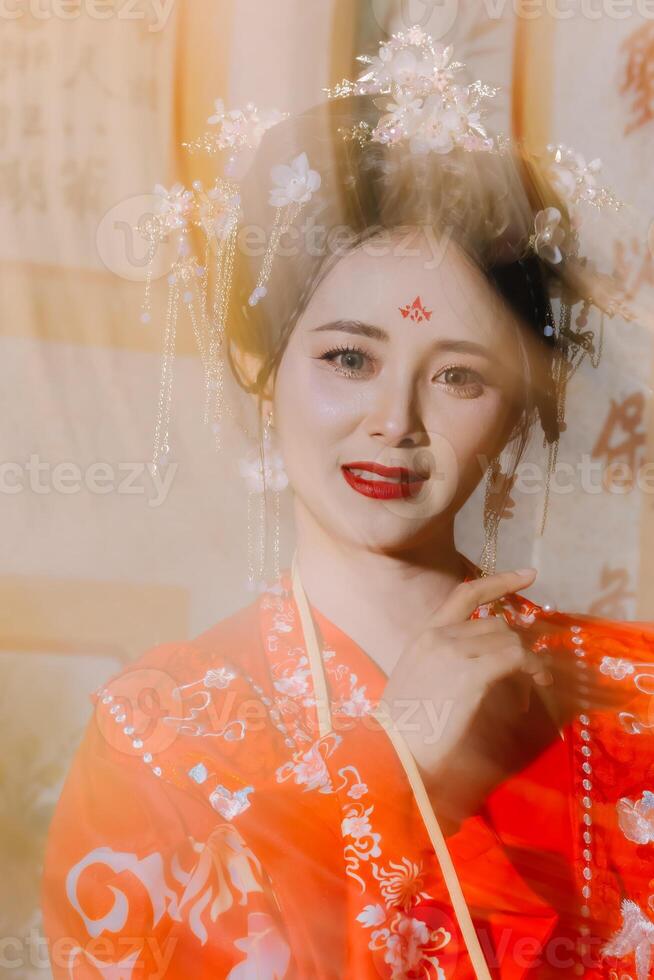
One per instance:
[(360, 382)]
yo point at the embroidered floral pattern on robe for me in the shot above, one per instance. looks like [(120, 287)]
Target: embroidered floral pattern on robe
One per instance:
[(206, 830)]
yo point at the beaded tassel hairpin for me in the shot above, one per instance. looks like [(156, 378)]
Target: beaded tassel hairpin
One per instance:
[(203, 285), (293, 186)]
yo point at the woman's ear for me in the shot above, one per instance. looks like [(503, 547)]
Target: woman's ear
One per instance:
[(248, 367)]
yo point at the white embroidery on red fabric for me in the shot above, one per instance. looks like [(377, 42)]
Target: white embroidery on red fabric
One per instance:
[(635, 937), (309, 768), (636, 820), (222, 871), (267, 953), (230, 804)]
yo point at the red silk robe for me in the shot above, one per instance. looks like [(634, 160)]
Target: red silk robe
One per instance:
[(211, 828)]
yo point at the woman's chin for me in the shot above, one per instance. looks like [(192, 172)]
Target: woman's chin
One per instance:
[(393, 536), (379, 526)]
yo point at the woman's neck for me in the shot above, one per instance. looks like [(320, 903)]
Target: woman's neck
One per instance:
[(381, 601)]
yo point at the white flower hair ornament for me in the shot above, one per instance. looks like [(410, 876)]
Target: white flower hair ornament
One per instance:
[(428, 109), (293, 186), (236, 130), (555, 237), (548, 235), (575, 180)]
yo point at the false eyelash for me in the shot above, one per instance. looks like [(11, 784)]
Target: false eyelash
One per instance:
[(344, 349), (462, 367), (331, 354)]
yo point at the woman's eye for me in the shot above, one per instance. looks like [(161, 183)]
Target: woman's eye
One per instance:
[(462, 381), (349, 361), (456, 376)]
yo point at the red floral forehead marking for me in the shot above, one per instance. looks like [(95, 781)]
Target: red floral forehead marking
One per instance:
[(415, 311)]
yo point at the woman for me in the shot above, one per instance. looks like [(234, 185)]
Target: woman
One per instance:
[(389, 764)]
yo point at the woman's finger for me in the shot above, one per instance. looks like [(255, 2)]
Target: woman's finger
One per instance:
[(478, 627), (496, 665), (538, 670), (468, 596)]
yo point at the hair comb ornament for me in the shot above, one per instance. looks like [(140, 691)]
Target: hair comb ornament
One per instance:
[(202, 284), (428, 109)]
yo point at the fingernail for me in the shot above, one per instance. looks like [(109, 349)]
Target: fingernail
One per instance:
[(526, 571), (544, 678)]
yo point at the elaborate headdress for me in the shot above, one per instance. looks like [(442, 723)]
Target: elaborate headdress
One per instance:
[(407, 103)]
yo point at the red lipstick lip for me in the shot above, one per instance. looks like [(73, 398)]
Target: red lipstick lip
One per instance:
[(399, 481)]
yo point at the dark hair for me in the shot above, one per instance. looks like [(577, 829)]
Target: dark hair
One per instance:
[(485, 201)]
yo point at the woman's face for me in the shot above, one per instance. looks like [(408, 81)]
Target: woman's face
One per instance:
[(398, 380)]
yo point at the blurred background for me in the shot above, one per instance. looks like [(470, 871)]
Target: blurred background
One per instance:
[(100, 561)]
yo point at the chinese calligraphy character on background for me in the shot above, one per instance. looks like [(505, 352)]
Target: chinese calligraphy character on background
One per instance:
[(637, 81), (621, 439), (633, 263), (615, 597)]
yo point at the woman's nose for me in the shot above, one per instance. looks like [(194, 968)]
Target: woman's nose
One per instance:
[(395, 417)]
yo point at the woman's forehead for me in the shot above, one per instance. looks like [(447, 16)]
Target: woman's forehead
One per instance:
[(409, 288)]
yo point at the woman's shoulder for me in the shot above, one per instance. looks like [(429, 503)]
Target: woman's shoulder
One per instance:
[(155, 709), (233, 644)]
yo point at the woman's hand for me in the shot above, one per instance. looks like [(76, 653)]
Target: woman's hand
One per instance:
[(437, 690)]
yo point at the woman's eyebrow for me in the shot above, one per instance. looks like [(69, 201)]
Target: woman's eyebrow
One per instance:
[(465, 347), (452, 345), (354, 327)]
